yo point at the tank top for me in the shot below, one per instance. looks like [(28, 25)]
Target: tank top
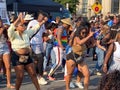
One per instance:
[(63, 38), (79, 49), (116, 54)]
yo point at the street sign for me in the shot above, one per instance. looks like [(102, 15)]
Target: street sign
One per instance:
[(96, 7)]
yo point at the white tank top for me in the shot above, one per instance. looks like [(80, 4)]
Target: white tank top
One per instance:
[(116, 54)]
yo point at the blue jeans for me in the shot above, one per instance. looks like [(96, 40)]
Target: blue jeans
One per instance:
[(100, 56), (49, 47)]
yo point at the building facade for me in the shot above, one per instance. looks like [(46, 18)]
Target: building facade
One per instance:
[(84, 7)]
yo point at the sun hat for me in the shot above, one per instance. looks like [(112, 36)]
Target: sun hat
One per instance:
[(67, 21), (28, 17)]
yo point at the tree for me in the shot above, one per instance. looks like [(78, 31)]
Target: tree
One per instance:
[(72, 4)]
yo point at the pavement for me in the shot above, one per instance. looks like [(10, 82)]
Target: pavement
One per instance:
[(58, 84)]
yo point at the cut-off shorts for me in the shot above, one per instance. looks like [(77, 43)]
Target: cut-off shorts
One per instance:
[(4, 49)]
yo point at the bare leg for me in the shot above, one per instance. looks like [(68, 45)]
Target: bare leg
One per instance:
[(0, 63), (6, 61), (85, 71), (19, 75), (70, 64), (79, 76), (31, 71)]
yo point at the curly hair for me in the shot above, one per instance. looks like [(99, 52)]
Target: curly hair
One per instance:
[(110, 81)]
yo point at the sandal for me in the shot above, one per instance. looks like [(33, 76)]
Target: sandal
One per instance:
[(10, 86)]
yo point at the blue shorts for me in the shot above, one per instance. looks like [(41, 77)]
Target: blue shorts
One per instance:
[(4, 49)]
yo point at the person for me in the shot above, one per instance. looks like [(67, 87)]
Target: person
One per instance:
[(78, 50), (113, 51), (5, 53), (48, 39), (27, 19), (60, 43), (110, 81), (20, 41), (37, 47), (100, 49)]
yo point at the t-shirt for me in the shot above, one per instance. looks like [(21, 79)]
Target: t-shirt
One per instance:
[(37, 38)]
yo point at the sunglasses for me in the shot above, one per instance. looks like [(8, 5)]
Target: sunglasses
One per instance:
[(83, 32), (22, 25)]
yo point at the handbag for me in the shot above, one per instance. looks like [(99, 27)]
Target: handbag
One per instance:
[(23, 58), (78, 59)]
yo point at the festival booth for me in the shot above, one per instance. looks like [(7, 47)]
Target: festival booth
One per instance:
[(33, 5)]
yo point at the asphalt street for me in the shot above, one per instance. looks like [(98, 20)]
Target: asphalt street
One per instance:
[(58, 84)]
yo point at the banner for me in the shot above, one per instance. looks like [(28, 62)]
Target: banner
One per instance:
[(3, 12)]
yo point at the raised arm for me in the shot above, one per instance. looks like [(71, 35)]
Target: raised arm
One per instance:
[(36, 28), (11, 29), (84, 40)]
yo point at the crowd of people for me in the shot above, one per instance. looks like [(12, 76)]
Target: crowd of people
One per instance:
[(41, 45)]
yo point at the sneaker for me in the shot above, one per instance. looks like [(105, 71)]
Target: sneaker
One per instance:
[(45, 73), (42, 81), (51, 78), (98, 73), (79, 85), (72, 85)]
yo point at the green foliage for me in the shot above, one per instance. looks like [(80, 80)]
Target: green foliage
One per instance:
[(72, 4)]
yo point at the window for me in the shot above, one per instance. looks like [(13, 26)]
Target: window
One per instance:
[(115, 6), (84, 9)]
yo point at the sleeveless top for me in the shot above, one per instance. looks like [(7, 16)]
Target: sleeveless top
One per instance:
[(116, 54), (63, 38), (79, 49)]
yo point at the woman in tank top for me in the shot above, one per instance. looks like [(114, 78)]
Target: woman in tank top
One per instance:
[(114, 51), (5, 53), (78, 48)]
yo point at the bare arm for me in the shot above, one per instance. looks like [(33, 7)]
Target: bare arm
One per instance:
[(1, 31), (59, 34), (107, 56), (84, 40), (99, 46)]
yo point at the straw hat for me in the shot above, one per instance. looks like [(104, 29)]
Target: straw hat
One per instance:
[(28, 17), (67, 21)]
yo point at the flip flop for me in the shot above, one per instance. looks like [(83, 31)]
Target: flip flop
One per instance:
[(10, 86)]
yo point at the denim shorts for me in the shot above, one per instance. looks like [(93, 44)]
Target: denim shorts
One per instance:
[(4, 49), (72, 57), (15, 60)]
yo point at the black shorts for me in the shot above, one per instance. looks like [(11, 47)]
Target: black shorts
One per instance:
[(71, 56), (15, 60)]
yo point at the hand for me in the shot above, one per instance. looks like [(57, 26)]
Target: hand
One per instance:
[(104, 49), (111, 41), (20, 16), (105, 68), (91, 33)]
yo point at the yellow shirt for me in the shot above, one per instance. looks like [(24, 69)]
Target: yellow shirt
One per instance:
[(16, 41)]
